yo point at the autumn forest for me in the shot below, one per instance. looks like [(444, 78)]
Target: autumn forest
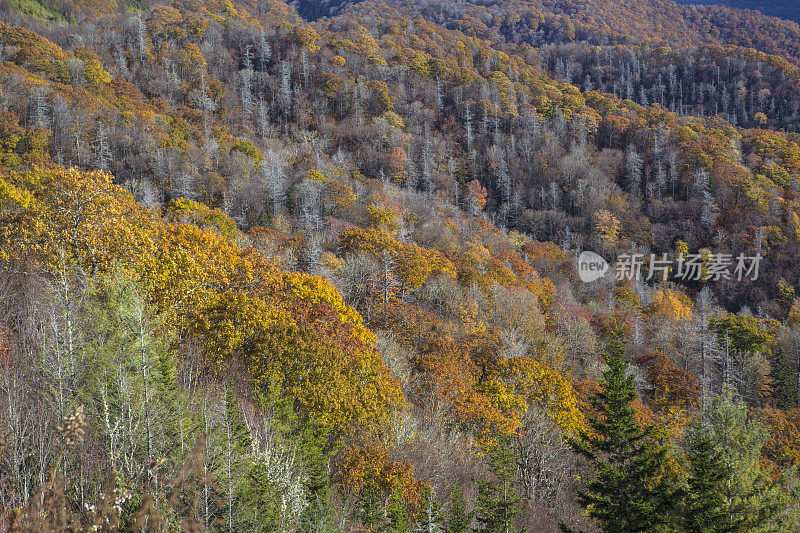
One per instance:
[(317, 266)]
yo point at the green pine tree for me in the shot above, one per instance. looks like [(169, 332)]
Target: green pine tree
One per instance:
[(784, 370), (128, 379), (430, 516), (170, 404), (397, 520), (311, 442), (259, 501), (705, 510), (458, 519), (629, 492), (234, 441), (753, 500), (370, 510), (498, 502), (312, 439)]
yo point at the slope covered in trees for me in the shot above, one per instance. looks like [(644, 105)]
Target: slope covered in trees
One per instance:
[(784, 10), (264, 274), (604, 22)]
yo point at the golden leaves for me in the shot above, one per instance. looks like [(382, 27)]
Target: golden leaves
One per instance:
[(188, 211), (671, 303), (73, 216), (231, 299), (607, 227), (316, 290)]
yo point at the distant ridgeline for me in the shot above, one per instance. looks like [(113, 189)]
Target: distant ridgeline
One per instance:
[(317, 9), (784, 9)]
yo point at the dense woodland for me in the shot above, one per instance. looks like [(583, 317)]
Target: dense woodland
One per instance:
[(312, 267), (784, 10)]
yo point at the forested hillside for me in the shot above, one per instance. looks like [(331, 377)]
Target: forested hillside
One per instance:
[(317, 267), (784, 10)]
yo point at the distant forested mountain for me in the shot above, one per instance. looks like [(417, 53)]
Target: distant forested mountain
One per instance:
[(784, 9), (398, 265), (316, 9)]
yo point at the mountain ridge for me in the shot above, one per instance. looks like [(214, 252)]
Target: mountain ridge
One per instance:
[(265, 274)]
